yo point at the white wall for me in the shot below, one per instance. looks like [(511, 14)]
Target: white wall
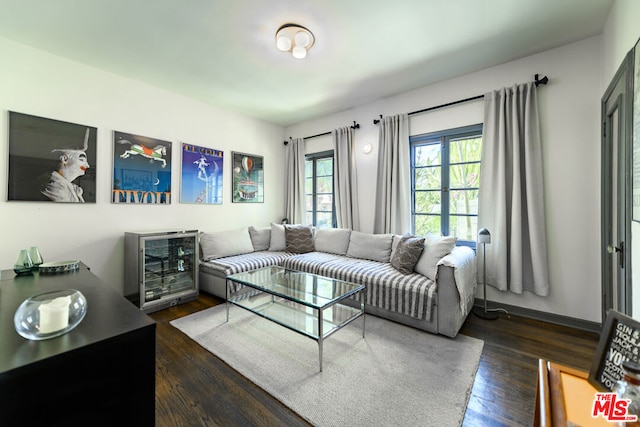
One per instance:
[(620, 35), (570, 115), (37, 83)]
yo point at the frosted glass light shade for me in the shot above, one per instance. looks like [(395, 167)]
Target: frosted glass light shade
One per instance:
[(283, 43), (295, 39), (302, 39), (299, 52)]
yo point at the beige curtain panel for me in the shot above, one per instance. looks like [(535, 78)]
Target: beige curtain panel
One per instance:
[(511, 200), (294, 182), (344, 179), (393, 193)]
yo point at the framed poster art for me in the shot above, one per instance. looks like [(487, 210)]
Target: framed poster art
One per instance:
[(141, 170), (248, 178), (636, 132), (619, 342), (201, 177), (51, 160)]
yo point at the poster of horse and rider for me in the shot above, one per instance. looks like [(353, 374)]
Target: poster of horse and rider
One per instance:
[(141, 170), (51, 160)]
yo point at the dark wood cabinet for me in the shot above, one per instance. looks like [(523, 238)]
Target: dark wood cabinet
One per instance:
[(102, 373)]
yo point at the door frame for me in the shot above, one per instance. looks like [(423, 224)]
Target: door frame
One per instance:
[(624, 105)]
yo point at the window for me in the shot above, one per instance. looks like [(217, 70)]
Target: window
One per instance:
[(319, 189), (445, 174)]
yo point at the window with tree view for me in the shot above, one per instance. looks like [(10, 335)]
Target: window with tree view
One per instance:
[(445, 174), (319, 189)]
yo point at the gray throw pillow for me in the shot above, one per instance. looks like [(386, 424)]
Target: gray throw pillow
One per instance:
[(225, 243), (299, 239), (277, 242), (375, 247), (332, 240), (260, 237), (407, 253), (394, 243)]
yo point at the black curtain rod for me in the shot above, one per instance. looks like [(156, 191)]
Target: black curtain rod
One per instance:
[(542, 81), (353, 126)]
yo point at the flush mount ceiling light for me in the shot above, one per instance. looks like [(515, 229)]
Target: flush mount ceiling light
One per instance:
[(295, 39)]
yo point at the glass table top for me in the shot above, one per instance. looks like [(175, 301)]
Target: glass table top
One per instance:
[(304, 288)]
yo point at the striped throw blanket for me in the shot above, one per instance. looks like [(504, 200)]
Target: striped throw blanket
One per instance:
[(386, 288), (239, 263)]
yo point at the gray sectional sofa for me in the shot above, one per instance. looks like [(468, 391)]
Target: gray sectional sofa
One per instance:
[(430, 288)]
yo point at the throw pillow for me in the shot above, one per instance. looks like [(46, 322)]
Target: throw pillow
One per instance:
[(394, 243), (435, 248), (332, 240), (277, 242), (375, 247), (407, 253), (225, 243), (299, 239), (260, 237)]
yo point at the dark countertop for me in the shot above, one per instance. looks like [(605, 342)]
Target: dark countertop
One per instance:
[(108, 315)]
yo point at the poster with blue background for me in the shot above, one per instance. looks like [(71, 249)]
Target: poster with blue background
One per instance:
[(141, 170), (201, 180)]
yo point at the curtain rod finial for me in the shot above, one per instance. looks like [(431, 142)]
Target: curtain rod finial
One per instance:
[(542, 81)]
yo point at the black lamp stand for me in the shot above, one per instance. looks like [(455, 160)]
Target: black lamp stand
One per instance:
[(486, 313)]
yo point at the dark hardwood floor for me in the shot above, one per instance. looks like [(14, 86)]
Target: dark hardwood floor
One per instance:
[(195, 388)]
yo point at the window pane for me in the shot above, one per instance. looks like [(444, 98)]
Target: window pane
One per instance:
[(324, 203), (428, 202), (324, 184), (464, 227), (463, 202), (324, 220), (428, 178), (427, 155), (446, 200), (324, 167), (465, 175), (319, 189), (427, 224), (465, 150)]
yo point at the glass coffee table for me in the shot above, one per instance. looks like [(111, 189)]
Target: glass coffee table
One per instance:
[(312, 305)]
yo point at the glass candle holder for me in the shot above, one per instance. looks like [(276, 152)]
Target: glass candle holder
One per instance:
[(50, 314), (23, 264)]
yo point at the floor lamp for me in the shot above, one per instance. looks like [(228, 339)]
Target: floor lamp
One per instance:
[(484, 237)]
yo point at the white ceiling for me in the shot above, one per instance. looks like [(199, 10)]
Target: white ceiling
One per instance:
[(223, 52)]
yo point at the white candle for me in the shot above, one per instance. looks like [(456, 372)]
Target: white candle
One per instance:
[(54, 315)]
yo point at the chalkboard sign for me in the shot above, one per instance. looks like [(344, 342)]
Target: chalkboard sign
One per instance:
[(619, 341)]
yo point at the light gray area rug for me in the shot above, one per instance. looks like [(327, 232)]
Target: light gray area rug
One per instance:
[(395, 376)]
